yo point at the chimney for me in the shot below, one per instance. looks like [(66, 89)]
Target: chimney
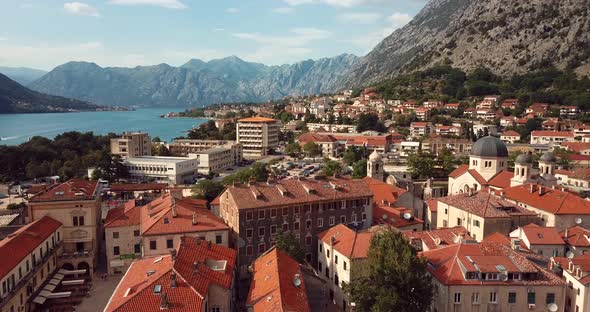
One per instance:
[(541, 190), (209, 245), (502, 194), (532, 188), (163, 301), (173, 280), (173, 254), (174, 213), (194, 218)]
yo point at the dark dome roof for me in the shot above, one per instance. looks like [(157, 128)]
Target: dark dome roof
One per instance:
[(547, 157), (489, 146), (523, 159)]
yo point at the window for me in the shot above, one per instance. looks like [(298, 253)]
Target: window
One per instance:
[(308, 240), (327, 272), (511, 297), (215, 309), (308, 224), (459, 221), (327, 253), (493, 297), (249, 250), (332, 220), (475, 298), (319, 266), (336, 282), (136, 233), (285, 211), (344, 264), (218, 239), (273, 229), (249, 216), (531, 298), (296, 226), (550, 298), (249, 233), (137, 248), (320, 222), (273, 212), (166, 220), (364, 217), (336, 259), (457, 298), (285, 227), (78, 221), (446, 210), (116, 251), (445, 223), (153, 245), (261, 248), (353, 218), (476, 223), (169, 243), (321, 244), (261, 231), (115, 234), (261, 214), (342, 219)]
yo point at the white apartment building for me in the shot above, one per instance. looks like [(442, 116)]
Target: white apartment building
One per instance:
[(132, 144), (258, 136), (175, 170)]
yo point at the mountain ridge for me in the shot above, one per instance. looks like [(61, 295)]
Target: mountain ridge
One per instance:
[(22, 75)]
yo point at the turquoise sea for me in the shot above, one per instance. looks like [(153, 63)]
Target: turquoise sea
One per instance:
[(18, 128)]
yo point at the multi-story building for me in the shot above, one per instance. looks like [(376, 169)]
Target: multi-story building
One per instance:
[(174, 170), (198, 276), (457, 146), (545, 241), (30, 256), (132, 144), (184, 147), (575, 271), (328, 144), (551, 137), (420, 128), (256, 212), (510, 136), (491, 277), (213, 155), (76, 205), (578, 179), (439, 238), (122, 237), (259, 136), (342, 253)]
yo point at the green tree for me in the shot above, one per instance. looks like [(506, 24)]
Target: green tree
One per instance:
[(289, 244), (293, 149), (420, 164), (207, 189), (353, 154), (160, 150), (359, 169), (393, 278), (370, 122), (312, 150), (446, 160), (332, 167)]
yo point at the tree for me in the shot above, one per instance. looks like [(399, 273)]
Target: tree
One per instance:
[(293, 149), (420, 164), (446, 160), (393, 278), (289, 244), (160, 150), (359, 169), (332, 167), (312, 150), (353, 154), (370, 121), (207, 189)]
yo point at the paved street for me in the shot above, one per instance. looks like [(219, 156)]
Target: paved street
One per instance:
[(99, 294)]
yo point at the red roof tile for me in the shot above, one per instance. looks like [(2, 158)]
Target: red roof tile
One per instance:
[(350, 243), (21, 243), (73, 189), (258, 119), (459, 171), (383, 192), (315, 138), (432, 205), (485, 205), (553, 201), (577, 236), (440, 237), (537, 235), (510, 133), (128, 187), (273, 288), (577, 147), (125, 215), (549, 133), (501, 179), (496, 238)]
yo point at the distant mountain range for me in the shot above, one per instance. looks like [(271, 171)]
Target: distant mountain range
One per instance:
[(196, 83), (22, 75), (14, 98)]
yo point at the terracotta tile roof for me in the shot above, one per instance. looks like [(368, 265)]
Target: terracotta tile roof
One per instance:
[(158, 218), (420, 124), (510, 133), (383, 192), (258, 119), (22, 242), (273, 288), (537, 235), (350, 243), (501, 179), (553, 201), (432, 205), (577, 157), (36, 188), (549, 133), (128, 187), (447, 264), (135, 291), (73, 189), (440, 237), (577, 147), (577, 236), (481, 180), (367, 140), (485, 205), (260, 195), (496, 238), (459, 171), (124, 215), (216, 200), (383, 214), (315, 137)]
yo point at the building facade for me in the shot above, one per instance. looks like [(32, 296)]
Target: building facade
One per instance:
[(172, 170), (259, 136), (132, 144)]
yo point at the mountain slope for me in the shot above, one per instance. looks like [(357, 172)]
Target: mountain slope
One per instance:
[(194, 83), (14, 98), (22, 75), (507, 36)]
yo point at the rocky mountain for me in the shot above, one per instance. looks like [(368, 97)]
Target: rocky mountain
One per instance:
[(14, 98), (22, 75), (195, 83), (507, 36)]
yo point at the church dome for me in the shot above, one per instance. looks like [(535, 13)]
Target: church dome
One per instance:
[(489, 146), (548, 157), (523, 159), (375, 156)]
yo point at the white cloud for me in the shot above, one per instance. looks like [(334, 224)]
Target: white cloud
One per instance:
[(399, 19), (283, 10), (360, 18), (79, 8), (277, 55), (168, 4), (299, 37), (298, 2), (232, 10), (339, 3)]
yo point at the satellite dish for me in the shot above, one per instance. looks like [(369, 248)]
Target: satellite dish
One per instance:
[(437, 241), (569, 254), (407, 216), (504, 277), (384, 217), (241, 243), (297, 280), (552, 307), (578, 220)]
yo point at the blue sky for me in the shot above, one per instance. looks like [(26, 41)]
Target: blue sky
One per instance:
[(46, 33)]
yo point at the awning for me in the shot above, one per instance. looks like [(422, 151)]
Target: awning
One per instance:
[(54, 281), (70, 272), (39, 300), (117, 263), (73, 282), (64, 294), (59, 276), (44, 293), (49, 287)]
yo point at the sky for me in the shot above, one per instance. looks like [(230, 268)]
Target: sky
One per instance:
[(43, 34)]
